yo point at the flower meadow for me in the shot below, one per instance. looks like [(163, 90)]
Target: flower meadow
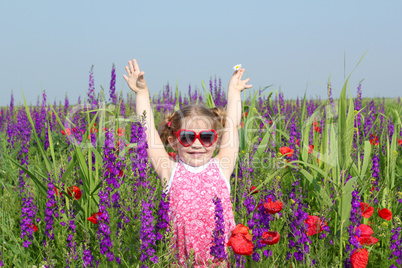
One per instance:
[(318, 183)]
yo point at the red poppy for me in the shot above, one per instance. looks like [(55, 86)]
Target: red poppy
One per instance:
[(121, 132), (297, 142), (315, 123), (367, 241), (173, 155), (75, 190), (273, 207), (372, 189), (385, 213), (120, 173), (286, 151), (359, 258), (310, 149), (365, 230), (242, 124), (240, 240), (374, 140), (366, 209), (317, 129), (252, 190), (74, 129), (400, 142), (94, 124), (68, 132), (245, 115), (33, 227), (314, 225), (94, 217), (270, 122), (270, 238), (105, 129), (94, 130), (119, 142), (241, 229)]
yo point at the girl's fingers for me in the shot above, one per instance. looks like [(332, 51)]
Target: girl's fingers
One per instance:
[(246, 80), (131, 67), (128, 71), (241, 72), (136, 67), (125, 77)]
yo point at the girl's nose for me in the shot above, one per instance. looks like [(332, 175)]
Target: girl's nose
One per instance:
[(197, 143)]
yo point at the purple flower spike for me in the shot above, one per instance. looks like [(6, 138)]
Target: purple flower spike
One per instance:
[(218, 243)]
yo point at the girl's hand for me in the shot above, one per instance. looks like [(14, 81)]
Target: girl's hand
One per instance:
[(135, 79), (236, 83)]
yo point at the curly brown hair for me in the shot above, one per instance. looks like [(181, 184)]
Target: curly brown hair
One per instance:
[(216, 116)]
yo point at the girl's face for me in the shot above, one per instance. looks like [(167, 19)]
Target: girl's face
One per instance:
[(196, 154)]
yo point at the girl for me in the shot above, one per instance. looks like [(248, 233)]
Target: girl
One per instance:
[(196, 177)]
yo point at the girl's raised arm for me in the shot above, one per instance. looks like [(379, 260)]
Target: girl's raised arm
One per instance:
[(156, 150), (229, 148)]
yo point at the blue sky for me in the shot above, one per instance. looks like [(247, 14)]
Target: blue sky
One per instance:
[(293, 45)]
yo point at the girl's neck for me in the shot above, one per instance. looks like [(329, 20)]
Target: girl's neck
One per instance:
[(193, 168)]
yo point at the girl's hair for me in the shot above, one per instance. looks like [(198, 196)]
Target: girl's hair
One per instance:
[(216, 116)]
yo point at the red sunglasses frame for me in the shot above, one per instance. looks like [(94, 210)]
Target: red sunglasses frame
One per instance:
[(197, 136)]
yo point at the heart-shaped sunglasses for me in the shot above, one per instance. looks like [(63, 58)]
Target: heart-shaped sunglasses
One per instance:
[(188, 137)]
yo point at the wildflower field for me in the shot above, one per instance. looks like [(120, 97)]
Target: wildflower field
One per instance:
[(318, 183)]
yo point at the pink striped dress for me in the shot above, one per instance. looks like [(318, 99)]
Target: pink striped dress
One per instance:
[(192, 210)]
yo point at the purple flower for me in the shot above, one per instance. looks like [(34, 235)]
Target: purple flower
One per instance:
[(218, 243), (163, 217), (113, 85), (298, 238), (396, 246), (87, 254), (147, 234), (91, 88), (50, 209), (355, 219)]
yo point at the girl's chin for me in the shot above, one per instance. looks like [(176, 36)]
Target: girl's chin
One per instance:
[(196, 162)]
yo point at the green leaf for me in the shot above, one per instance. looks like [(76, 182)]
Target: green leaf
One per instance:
[(40, 146), (367, 157), (347, 199), (38, 183)]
